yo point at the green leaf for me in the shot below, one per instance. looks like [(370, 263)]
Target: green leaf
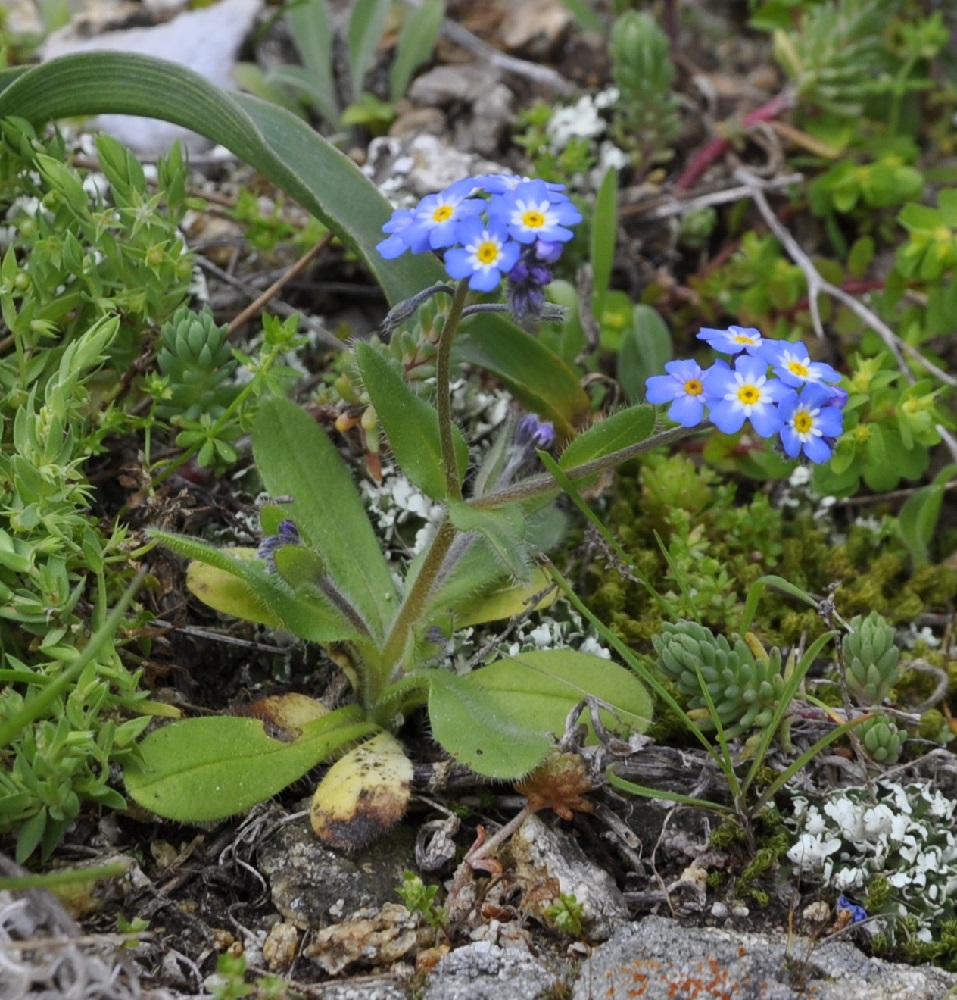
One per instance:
[(604, 238), (227, 592), (507, 601), (295, 458), (479, 574), (283, 148), (420, 31), (644, 350), (609, 435), (312, 33), (366, 25), (298, 566), (918, 518), (206, 769), (410, 423), (502, 529), (472, 725), (536, 376), (542, 687)]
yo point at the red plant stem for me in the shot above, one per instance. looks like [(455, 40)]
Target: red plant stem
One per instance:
[(715, 148)]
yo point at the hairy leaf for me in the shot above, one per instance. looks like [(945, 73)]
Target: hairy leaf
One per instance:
[(609, 435), (410, 423), (542, 687), (235, 582), (472, 725), (295, 458), (205, 769)]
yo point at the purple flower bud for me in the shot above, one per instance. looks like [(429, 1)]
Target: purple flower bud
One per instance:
[(548, 253), (286, 534), (532, 432), (526, 283), (838, 397)]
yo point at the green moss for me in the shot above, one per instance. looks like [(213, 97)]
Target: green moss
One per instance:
[(718, 544)]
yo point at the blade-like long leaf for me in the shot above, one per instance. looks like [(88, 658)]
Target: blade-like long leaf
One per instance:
[(366, 24), (312, 34)]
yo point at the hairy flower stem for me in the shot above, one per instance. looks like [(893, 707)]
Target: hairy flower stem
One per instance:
[(413, 607), (443, 402), (536, 486)]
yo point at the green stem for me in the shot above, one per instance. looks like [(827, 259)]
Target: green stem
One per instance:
[(413, 607), (536, 486), (443, 402)]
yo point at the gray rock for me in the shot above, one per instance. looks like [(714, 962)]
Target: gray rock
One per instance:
[(484, 971), (313, 886), (205, 41), (657, 956), (375, 989), (453, 84), (540, 854), (408, 169), (535, 29)]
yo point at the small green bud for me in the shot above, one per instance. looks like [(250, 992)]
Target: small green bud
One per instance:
[(881, 739)]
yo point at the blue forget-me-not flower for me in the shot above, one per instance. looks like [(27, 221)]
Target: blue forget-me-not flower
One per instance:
[(488, 228), (793, 399)]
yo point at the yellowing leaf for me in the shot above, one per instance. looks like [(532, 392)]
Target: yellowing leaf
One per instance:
[(287, 713), (505, 602), (363, 795), (227, 593)]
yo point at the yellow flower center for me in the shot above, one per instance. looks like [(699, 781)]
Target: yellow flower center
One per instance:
[(487, 253), (797, 368), (533, 219), (743, 338), (749, 395), (693, 387), (442, 213), (802, 422)]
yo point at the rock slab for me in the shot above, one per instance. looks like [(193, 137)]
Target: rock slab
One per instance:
[(659, 959)]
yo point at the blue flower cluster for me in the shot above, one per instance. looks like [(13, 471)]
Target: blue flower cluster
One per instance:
[(772, 383), (488, 227)]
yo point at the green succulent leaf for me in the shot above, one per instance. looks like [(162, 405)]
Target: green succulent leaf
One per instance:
[(410, 423), (206, 769)]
